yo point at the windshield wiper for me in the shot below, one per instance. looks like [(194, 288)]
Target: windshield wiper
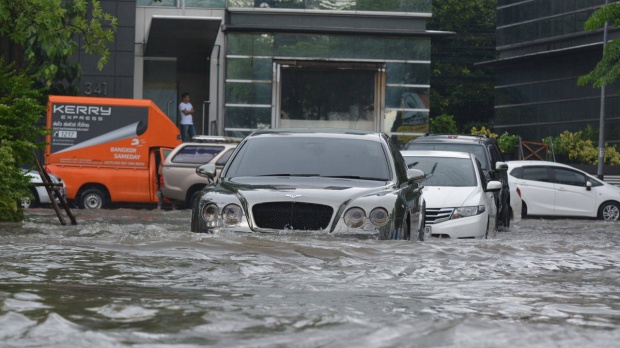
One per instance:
[(354, 177), (289, 174)]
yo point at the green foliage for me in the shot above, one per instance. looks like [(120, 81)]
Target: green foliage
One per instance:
[(20, 109), (607, 71), (506, 142), (42, 38), (579, 149), (443, 124)]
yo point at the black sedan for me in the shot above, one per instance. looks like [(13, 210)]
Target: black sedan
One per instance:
[(340, 182)]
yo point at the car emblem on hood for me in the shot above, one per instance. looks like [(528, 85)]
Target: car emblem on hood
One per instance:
[(293, 196)]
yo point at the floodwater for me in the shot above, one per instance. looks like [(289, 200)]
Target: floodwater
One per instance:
[(139, 278)]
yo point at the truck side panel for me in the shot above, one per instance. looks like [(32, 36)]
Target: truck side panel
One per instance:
[(107, 142)]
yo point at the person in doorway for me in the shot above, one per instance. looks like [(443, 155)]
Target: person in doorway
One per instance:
[(187, 118)]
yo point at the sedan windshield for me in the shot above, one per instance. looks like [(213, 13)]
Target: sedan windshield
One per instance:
[(477, 150), (444, 171), (311, 156)]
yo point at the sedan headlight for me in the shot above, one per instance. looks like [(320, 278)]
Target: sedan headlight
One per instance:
[(232, 214), (355, 217), (379, 217), (467, 211), (210, 213)]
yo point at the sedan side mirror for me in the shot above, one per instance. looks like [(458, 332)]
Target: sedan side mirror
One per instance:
[(493, 186), (415, 176), (206, 171)]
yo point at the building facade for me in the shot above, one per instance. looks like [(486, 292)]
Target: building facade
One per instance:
[(250, 64), (543, 50)]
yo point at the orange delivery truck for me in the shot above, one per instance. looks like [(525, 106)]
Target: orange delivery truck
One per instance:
[(108, 150)]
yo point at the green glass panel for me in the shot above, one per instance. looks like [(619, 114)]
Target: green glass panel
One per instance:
[(240, 3), (239, 68), (291, 45), (408, 48), (262, 92), (358, 47), (241, 117), (406, 98), (240, 44), (239, 93), (206, 3), (262, 69), (167, 3), (408, 73), (263, 45)]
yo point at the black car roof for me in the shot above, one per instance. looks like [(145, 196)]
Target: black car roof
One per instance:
[(314, 131)]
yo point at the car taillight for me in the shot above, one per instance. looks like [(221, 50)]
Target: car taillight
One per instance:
[(161, 181), (519, 192)]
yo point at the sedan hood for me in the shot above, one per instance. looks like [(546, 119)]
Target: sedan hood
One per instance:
[(332, 191), (445, 197)]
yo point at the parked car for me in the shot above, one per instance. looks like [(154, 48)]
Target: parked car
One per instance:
[(325, 181), (487, 152), (180, 182), (39, 193), (459, 201), (555, 189)]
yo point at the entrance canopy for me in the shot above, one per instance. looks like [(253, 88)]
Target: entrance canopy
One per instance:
[(174, 36)]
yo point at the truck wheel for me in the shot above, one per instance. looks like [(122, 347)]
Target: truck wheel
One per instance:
[(92, 199)]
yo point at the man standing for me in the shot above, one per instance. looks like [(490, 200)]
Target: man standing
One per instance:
[(187, 122)]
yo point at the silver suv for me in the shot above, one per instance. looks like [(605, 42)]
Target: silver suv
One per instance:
[(180, 182)]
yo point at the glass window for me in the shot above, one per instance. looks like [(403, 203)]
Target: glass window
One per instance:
[(196, 154), (356, 47), (291, 45), (440, 171), (328, 98), (224, 158), (477, 150), (407, 73), (536, 174), (406, 98), (569, 177), (311, 156)]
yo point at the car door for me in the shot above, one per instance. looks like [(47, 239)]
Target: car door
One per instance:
[(572, 197), (537, 190)]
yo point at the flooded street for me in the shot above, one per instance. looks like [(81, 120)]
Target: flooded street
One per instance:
[(139, 278)]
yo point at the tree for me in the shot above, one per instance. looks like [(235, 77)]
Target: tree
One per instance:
[(459, 86), (607, 71), (38, 39), (41, 36)]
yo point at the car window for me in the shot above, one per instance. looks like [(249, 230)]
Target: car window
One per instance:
[(496, 156), (477, 150), (196, 154), (311, 157), (569, 177), (444, 171), (224, 158), (536, 174), (517, 172)]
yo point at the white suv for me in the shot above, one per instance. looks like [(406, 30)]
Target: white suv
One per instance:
[(180, 183)]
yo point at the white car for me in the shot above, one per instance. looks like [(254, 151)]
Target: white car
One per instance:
[(39, 193), (459, 201), (555, 189)]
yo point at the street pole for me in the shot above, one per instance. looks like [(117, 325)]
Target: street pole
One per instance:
[(205, 104), (601, 131)]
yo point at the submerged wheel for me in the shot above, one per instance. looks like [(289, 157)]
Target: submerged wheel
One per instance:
[(92, 199), (523, 209), (609, 211)]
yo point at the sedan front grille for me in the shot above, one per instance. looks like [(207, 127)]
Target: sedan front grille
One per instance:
[(437, 215), (292, 216)]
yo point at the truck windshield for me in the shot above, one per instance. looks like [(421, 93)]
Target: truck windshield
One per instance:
[(311, 156)]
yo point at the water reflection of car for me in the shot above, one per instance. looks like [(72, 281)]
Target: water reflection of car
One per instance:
[(459, 200), (337, 182), (556, 189), (38, 192)]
